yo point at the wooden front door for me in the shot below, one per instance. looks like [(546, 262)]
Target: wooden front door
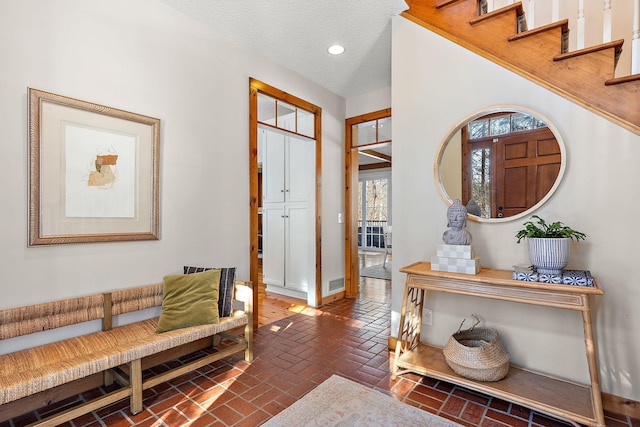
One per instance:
[(522, 168), (527, 165)]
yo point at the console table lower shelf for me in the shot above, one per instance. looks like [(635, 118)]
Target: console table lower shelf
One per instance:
[(567, 400), (548, 395)]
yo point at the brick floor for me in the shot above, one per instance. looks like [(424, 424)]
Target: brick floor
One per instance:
[(292, 356)]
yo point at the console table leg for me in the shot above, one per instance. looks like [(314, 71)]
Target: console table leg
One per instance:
[(594, 373), (410, 325)]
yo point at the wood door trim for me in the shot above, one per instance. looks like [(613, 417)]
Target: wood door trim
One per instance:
[(351, 270), (255, 87)]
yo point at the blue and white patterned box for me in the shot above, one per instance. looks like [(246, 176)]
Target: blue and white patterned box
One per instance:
[(527, 277), (550, 278), (455, 265), (577, 278), (455, 251), (568, 277)]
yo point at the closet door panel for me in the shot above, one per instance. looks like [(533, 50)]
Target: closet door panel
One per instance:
[(273, 168), (300, 172), (273, 244), (300, 249)]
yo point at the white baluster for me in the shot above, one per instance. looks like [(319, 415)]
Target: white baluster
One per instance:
[(530, 12), (498, 4), (635, 39), (555, 11), (581, 25), (606, 21)]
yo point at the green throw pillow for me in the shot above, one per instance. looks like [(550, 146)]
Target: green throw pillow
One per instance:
[(189, 300)]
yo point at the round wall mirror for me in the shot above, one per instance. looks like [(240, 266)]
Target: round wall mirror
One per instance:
[(502, 163)]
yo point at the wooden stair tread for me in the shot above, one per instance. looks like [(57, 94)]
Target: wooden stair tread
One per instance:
[(563, 25), (516, 7), (616, 44)]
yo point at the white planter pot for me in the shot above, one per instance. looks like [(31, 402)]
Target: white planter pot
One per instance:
[(549, 256)]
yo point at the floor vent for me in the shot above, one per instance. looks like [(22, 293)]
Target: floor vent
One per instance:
[(336, 284)]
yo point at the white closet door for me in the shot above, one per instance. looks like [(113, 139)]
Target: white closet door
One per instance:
[(273, 244), (273, 167), (288, 211), (300, 248), (300, 179)]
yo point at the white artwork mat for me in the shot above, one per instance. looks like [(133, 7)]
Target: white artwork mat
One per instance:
[(82, 200)]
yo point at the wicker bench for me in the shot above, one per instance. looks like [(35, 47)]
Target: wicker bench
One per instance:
[(41, 375)]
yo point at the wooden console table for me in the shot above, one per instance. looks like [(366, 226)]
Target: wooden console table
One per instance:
[(560, 398)]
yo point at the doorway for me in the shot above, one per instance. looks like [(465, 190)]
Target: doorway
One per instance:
[(367, 152), (301, 119), (288, 212), (374, 197)]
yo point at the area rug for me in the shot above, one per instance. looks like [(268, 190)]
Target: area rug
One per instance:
[(339, 402), (377, 271)]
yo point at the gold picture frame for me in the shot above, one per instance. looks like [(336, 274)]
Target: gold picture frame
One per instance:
[(93, 172)]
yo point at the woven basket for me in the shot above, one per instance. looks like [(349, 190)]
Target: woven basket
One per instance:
[(478, 354)]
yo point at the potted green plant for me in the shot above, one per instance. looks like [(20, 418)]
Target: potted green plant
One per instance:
[(549, 244)]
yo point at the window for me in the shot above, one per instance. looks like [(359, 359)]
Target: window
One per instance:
[(481, 179), (282, 115), (371, 132), (373, 210), (503, 124)]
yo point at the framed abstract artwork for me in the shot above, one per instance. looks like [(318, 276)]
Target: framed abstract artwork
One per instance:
[(93, 172)]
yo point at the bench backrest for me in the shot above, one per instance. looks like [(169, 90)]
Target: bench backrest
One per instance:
[(26, 320), (134, 299), (128, 300), (15, 322)]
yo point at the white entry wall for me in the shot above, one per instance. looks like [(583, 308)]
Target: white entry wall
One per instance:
[(204, 112), (436, 83)]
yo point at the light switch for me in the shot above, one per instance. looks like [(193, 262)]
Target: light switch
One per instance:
[(340, 218)]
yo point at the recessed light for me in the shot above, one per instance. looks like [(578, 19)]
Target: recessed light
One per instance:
[(336, 49)]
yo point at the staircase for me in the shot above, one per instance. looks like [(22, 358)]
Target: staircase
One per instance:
[(585, 76)]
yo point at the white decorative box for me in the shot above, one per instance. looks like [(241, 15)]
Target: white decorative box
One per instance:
[(455, 251), (455, 265)]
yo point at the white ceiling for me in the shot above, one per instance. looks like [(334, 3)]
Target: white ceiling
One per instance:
[(297, 33)]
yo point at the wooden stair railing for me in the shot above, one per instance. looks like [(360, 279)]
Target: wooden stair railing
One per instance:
[(585, 76)]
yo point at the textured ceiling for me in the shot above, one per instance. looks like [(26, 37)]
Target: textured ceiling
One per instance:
[(297, 33)]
